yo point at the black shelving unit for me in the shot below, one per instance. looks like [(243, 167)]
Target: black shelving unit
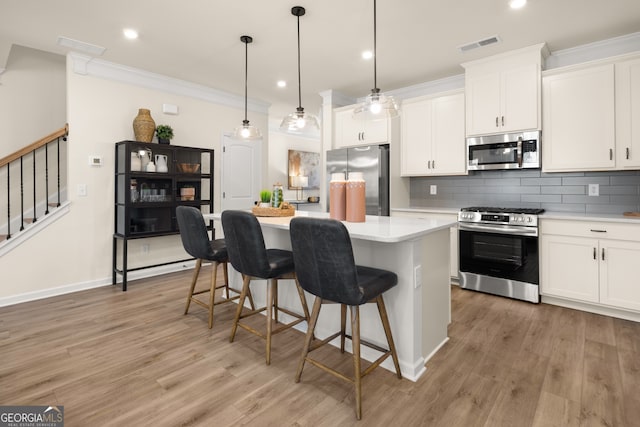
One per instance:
[(145, 202)]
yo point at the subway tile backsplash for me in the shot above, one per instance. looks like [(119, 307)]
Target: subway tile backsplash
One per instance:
[(619, 191)]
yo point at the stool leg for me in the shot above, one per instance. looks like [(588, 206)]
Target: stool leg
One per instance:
[(226, 279), (193, 284), (387, 330), (253, 306), (317, 303), (272, 290), (355, 336), (212, 292), (243, 294), (303, 300), (275, 302), (343, 325)]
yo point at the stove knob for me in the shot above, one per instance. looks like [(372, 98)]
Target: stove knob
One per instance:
[(520, 219), (529, 219)]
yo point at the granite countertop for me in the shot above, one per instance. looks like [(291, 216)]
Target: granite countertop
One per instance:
[(375, 228)]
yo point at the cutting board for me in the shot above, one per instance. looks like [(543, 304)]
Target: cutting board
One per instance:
[(634, 214)]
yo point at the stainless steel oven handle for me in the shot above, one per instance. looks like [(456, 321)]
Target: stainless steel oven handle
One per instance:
[(519, 151), (499, 229)]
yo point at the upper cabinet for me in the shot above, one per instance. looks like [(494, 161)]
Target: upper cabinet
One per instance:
[(350, 131), (503, 92), (591, 116), (628, 113), (433, 139), (579, 123)]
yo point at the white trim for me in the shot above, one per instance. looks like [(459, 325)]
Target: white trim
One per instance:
[(592, 51), (336, 99), (44, 221), (121, 73), (592, 308), (92, 284), (430, 88)]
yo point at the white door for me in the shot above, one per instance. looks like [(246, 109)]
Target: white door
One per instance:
[(241, 172)]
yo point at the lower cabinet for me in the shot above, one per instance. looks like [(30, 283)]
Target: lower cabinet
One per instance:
[(453, 234), (594, 262)]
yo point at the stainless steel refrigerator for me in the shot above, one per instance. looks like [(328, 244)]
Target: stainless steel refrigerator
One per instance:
[(373, 162)]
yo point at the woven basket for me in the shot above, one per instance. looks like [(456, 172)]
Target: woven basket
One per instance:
[(286, 211)]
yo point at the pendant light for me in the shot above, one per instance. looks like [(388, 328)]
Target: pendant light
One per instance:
[(246, 131), (299, 121), (376, 105)]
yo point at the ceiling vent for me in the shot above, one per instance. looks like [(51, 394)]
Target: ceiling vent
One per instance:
[(479, 43)]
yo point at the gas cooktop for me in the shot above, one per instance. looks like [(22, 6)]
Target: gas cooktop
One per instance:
[(527, 211)]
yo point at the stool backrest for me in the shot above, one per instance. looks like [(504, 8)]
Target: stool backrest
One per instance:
[(245, 243), (193, 232), (323, 256)]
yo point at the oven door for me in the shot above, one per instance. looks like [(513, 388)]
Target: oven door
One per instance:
[(499, 254)]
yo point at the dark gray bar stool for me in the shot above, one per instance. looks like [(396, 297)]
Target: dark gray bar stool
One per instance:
[(325, 267), (196, 242), (249, 256)]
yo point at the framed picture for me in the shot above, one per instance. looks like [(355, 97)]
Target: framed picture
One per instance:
[(304, 164)]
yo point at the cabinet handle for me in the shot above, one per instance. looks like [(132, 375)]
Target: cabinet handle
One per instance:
[(502, 120), (433, 164), (428, 164), (598, 231), (610, 153), (496, 121), (594, 254), (603, 254), (627, 149)]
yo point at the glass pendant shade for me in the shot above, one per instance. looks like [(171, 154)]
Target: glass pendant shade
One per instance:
[(246, 131), (377, 105), (299, 121)]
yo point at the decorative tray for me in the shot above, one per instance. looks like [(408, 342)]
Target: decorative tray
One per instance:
[(285, 210), (636, 214)]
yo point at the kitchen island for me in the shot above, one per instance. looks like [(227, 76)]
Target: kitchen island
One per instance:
[(419, 309)]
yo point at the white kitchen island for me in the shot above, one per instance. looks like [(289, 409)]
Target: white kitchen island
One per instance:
[(419, 307)]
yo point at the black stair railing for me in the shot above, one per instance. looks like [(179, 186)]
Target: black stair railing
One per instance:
[(19, 156)]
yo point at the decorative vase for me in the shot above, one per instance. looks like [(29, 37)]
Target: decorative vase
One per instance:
[(164, 141), (143, 126)]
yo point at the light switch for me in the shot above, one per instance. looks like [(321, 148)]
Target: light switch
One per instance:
[(82, 190)]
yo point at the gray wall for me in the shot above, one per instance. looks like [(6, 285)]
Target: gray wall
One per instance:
[(564, 192)]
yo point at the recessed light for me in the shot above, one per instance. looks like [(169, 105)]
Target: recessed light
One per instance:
[(282, 83), (130, 33), (517, 4), (367, 54)]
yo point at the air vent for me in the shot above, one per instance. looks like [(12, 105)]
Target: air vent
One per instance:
[(479, 43)]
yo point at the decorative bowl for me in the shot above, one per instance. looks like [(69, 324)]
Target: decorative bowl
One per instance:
[(188, 167), (313, 199)]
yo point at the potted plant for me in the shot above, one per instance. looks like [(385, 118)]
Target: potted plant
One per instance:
[(265, 198), (164, 133)]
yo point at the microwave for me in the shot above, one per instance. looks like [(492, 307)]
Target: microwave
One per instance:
[(520, 150)]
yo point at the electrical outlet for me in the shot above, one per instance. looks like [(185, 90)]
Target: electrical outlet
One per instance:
[(433, 189), (145, 248), (594, 189), (82, 190)]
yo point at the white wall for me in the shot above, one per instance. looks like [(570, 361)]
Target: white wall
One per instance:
[(75, 251), (32, 97)]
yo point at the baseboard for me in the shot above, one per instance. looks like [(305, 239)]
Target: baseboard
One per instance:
[(92, 284), (592, 308)]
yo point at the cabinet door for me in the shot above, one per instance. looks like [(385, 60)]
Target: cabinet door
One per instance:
[(483, 103), (347, 130), (628, 113), (448, 144), (619, 284), (375, 131), (569, 267), (416, 138), (578, 120), (520, 89)]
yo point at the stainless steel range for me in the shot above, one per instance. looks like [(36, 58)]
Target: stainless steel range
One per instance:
[(499, 251)]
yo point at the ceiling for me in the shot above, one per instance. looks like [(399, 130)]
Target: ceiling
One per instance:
[(199, 40)]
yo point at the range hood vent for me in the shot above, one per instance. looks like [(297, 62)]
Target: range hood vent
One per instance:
[(479, 43)]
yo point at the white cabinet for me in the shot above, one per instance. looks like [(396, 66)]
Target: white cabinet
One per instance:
[(453, 234), (503, 92), (350, 131), (627, 82), (594, 262), (578, 116), (433, 139)]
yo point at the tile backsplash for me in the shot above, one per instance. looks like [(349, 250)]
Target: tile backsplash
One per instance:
[(619, 191)]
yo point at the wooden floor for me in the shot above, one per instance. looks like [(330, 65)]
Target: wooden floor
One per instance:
[(133, 359)]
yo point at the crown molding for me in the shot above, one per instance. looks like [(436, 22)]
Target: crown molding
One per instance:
[(86, 65), (428, 88), (334, 98), (593, 51)]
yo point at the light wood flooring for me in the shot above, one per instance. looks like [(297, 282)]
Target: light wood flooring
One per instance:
[(133, 359)]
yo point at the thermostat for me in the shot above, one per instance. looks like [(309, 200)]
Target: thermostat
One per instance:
[(95, 160)]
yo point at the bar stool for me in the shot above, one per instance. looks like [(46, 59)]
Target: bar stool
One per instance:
[(325, 267), (249, 256), (196, 242)]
